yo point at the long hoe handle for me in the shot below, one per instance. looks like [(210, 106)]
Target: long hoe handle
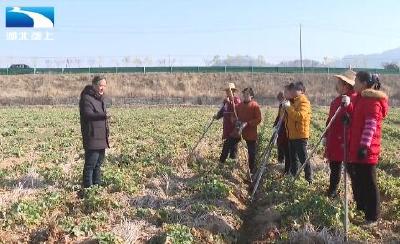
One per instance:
[(265, 157), (316, 146), (201, 138)]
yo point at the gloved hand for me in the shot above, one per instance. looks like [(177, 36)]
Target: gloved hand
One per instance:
[(346, 119), (242, 126), (345, 101), (286, 104), (323, 141), (362, 152), (227, 100)]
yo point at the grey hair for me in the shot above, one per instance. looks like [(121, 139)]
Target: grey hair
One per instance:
[(97, 78)]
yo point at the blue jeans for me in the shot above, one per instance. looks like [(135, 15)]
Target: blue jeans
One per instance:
[(91, 169)]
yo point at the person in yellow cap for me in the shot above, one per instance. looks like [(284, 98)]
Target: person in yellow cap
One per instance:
[(334, 141), (228, 113)]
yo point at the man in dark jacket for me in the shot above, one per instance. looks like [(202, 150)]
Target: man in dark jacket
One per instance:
[(94, 127)]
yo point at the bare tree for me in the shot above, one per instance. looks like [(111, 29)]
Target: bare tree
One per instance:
[(207, 62), (171, 62), (48, 63), (162, 62), (78, 62), (137, 62), (391, 66), (100, 61), (261, 61), (34, 62), (91, 62), (147, 61), (127, 61)]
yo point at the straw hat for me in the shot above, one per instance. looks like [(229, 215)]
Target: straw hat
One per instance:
[(349, 77), (230, 86)]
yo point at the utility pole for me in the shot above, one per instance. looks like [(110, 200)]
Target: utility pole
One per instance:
[(301, 53)]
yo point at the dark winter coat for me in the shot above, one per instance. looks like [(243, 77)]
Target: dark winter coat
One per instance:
[(282, 133), (93, 119)]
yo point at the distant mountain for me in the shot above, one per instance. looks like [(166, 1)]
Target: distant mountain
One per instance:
[(376, 60), (370, 60), (297, 63), (239, 60)]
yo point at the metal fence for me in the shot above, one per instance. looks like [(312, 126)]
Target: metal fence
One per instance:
[(186, 69)]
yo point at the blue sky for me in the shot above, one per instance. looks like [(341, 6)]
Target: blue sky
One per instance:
[(192, 31)]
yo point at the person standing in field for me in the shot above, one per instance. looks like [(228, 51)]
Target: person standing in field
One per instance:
[(282, 140), (249, 117), (334, 146), (370, 109), (95, 130), (227, 112), (298, 127)]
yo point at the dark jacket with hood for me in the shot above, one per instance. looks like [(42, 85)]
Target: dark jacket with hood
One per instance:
[(93, 119)]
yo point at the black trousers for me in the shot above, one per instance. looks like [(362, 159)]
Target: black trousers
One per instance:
[(298, 152), (252, 150), (230, 147), (284, 155), (91, 169), (365, 189), (334, 179)]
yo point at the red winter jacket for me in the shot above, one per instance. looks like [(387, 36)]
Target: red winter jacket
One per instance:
[(334, 135), (370, 108), (227, 113), (249, 112)]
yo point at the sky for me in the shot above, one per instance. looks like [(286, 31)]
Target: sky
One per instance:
[(192, 31)]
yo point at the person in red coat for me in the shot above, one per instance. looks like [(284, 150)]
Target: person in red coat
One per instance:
[(334, 135), (370, 108), (227, 112), (249, 117)]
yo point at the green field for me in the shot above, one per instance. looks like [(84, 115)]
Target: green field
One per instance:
[(152, 193)]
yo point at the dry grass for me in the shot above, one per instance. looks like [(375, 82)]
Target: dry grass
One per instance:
[(189, 88), (133, 231), (309, 235)]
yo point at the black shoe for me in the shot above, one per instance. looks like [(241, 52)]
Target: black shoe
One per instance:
[(254, 177), (370, 223), (331, 194), (250, 188), (81, 194), (284, 174), (360, 208)]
